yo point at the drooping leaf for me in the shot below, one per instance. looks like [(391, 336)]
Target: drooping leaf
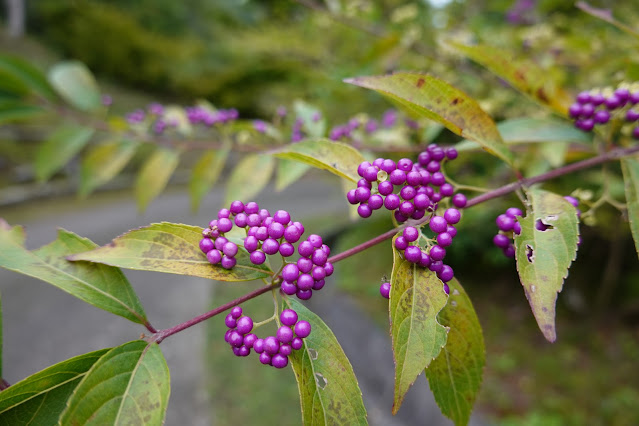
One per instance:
[(172, 248), (437, 100), (336, 157), (58, 150), (11, 111), (102, 286), (329, 393), (289, 172), (18, 74), (249, 177), (455, 375), (543, 257), (314, 123), (205, 173), (417, 296), (75, 84), (154, 175), (606, 15), (554, 152), (523, 75), (103, 162), (630, 168), (129, 385), (40, 398)]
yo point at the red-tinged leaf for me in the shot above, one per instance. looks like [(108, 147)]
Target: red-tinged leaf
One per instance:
[(155, 175), (171, 248), (102, 286), (437, 100), (103, 162), (455, 376), (544, 256), (630, 167), (329, 393), (205, 174), (523, 75), (417, 297)]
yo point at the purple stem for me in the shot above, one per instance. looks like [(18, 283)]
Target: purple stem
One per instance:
[(506, 189)]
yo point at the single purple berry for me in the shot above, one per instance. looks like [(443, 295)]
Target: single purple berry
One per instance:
[(287, 249), (253, 219), (263, 213), (509, 251), (261, 233), (575, 110), (612, 102), (350, 196), (305, 249), (414, 178), (297, 343), (316, 240), (251, 243), (223, 214), (240, 220), (405, 164), (288, 288), (425, 260), (305, 282), (244, 325), (249, 340), (437, 252), (271, 345), (401, 243), (363, 183), (364, 211), (292, 234), (318, 273), (384, 290), (423, 158), (450, 229), (505, 222), (236, 339), (230, 249), (433, 166), (392, 201), (206, 245), (444, 239), (370, 174), (328, 268), (284, 334), (224, 224), (385, 188), (447, 190), (375, 202), (583, 97), (437, 179), (517, 228), (421, 201), (452, 216), (451, 153), (219, 243), (411, 234), (237, 207), (514, 212), (236, 312), (285, 349), (265, 358), (230, 321), (302, 329), (572, 200), (501, 241), (635, 132), (406, 208), (632, 115), (319, 257), (228, 262), (258, 345), (388, 165), (304, 294), (288, 317), (438, 224), (214, 257), (319, 285), (413, 254), (436, 265), (407, 193), (397, 177), (446, 274), (362, 168), (257, 257), (290, 272), (459, 200), (601, 117), (446, 288), (400, 218), (305, 265)]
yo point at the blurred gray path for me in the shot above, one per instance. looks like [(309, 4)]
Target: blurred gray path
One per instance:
[(43, 325)]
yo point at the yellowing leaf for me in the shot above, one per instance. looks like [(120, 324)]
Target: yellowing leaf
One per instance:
[(249, 177), (155, 175), (630, 167), (103, 162), (58, 150), (205, 173)]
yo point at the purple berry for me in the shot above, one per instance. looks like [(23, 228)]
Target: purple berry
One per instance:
[(261, 233), (447, 190), (287, 249), (318, 273), (364, 211), (452, 216), (224, 224), (414, 178), (288, 317), (509, 251), (257, 257), (407, 193), (350, 196), (388, 165), (438, 224), (505, 222), (433, 166), (421, 201), (436, 265), (385, 188), (236, 312), (288, 288), (575, 110), (406, 208), (362, 194), (319, 284), (230, 321), (305, 249), (305, 265), (284, 334), (265, 358), (240, 220), (446, 288), (304, 294), (315, 240), (601, 117), (392, 201), (517, 228), (290, 272), (244, 325), (370, 174), (305, 282), (397, 177), (437, 252), (249, 340), (446, 274), (413, 254), (236, 339), (444, 239), (411, 234), (425, 260), (328, 268), (405, 165), (401, 243), (501, 241), (224, 213), (270, 246), (319, 257), (612, 102), (250, 243), (219, 243), (237, 207), (206, 245), (437, 179), (451, 153), (583, 97), (253, 219), (572, 200), (258, 345), (230, 249), (514, 212), (362, 168), (228, 262), (214, 257), (375, 202), (459, 201), (384, 290), (423, 158), (302, 329), (285, 349), (292, 234), (632, 115), (297, 343), (271, 345)]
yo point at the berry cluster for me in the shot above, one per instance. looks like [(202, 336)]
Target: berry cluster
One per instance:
[(508, 225), (269, 235), (595, 107), (409, 189), (273, 350), (156, 116)]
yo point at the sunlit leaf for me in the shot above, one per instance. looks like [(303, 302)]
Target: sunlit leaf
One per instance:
[(58, 150), (289, 172), (437, 100), (75, 84), (20, 75), (455, 375), (417, 296), (172, 248), (102, 286), (103, 162), (329, 393), (630, 167), (40, 398), (606, 15), (543, 257), (523, 75), (336, 157), (154, 175), (129, 385), (205, 174), (249, 177)]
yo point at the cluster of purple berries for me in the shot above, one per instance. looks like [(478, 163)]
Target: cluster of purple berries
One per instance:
[(409, 189), (345, 131), (508, 225), (593, 108), (273, 350), (269, 235)]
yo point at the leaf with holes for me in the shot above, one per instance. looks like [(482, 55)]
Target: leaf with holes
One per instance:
[(129, 385), (417, 296), (154, 175), (58, 150), (544, 251), (205, 174), (329, 393), (103, 162), (336, 157), (630, 167), (102, 286), (171, 248), (249, 177), (75, 84), (523, 75), (455, 375), (40, 398), (430, 97)]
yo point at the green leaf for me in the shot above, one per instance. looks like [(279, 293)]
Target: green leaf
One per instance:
[(543, 257), (329, 393), (76, 85), (417, 296), (1, 337), (554, 152), (20, 75), (40, 398), (172, 248), (523, 75), (336, 157), (314, 122), (249, 177), (455, 375), (154, 175), (205, 174), (289, 172), (103, 162), (605, 15), (102, 286), (630, 168), (129, 385), (12, 111), (437, 100), (58, 150)]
